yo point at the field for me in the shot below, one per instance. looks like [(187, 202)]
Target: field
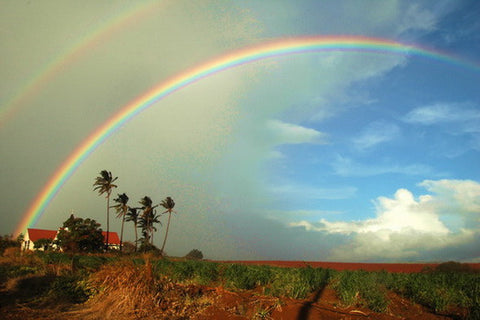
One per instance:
[(60, 286), (339, 266)]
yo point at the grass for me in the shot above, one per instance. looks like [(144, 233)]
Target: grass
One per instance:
[(297, 283), (361, 288), (151, 282), (437, 290)]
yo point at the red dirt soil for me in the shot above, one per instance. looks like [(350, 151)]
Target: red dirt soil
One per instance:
[(389, 267), (218, 303), (320, 305)]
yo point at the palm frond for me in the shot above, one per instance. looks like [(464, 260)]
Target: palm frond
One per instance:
[(168, 204)]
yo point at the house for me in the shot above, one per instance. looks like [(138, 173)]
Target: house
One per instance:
[(33, 235), (113, 240)]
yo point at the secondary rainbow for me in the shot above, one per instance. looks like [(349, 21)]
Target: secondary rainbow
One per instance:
[(282, 47), (95, 37)]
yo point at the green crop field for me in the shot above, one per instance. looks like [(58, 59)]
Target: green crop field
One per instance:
[(70, 277)]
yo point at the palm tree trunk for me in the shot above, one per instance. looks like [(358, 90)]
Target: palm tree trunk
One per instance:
[(121, 232), (136, 237), (166, 232), (151, 234), (108, 220)]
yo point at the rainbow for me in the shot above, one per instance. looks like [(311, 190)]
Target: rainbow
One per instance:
[(72, 53), (234, 59)]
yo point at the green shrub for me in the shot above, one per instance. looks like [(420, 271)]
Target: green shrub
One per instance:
[(70, 288), (7, 241), (54, 257), (438, 290), (206, 272), (361, 288), (195, 254), (8, 271), (183, 270), (239, 276), (454, 267), (297, 283), (91, 263)]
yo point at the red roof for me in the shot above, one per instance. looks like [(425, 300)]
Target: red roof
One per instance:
[(112, 237), (37, 234)]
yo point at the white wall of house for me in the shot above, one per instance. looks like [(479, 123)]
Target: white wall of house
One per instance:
[(29, 245)]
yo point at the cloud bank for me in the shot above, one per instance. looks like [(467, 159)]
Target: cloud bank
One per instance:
[(405, 227)]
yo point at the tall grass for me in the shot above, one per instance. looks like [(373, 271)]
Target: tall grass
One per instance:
[(297, 283), (361, 288), (126, 290), (439, 291), (77, 278), (239, 276)]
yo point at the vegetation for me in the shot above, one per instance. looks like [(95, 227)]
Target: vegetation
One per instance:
[(437, 290), (43, 243), (137, 284), (144, 217), (134, 284), (147, 221), (79, 235), (133, 215), (122, 208), (104, 185), (7, 241), (361, 288), (168, 204), (195, 254)]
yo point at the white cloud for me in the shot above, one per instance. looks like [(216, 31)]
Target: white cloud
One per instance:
[(376, 133), (309, 192), (454, 121), (459, 196), (399, 246), (418, 19), (346, 167), (405, 226), (441, 113), (284, 133), (402, 212)]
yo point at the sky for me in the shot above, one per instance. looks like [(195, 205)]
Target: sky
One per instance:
[(320, 156)]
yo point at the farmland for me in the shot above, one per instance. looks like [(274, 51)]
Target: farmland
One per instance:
[(59, 286)]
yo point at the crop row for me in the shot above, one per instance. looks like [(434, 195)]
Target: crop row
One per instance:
[(440, 292)]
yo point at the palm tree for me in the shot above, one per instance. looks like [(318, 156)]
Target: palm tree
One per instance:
[(132, 215), (147, 224), (168, 204), (121, 208), (104, 184), (148, 216)]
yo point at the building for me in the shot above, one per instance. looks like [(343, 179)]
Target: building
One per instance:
[(33, 235), (113, 240)]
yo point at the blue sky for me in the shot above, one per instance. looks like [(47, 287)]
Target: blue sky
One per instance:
[(340, 156)]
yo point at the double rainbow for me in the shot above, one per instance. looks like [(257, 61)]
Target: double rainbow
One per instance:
[(66, 57), (237, 58)]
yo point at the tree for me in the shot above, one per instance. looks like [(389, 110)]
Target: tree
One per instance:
[(104, 184), (132, 215), (79, 235), (147, 224), (195, 254), (121, 208), (168, 204), (7, 241), (43, 244), (148, 218)]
